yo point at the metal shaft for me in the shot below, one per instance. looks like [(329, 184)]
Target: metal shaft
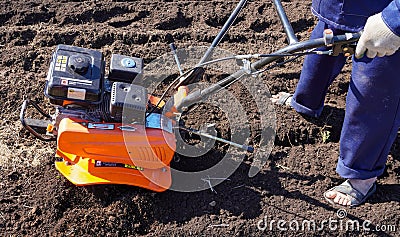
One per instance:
[(200, 133), (285, 22), (178, 63), (223, 31)]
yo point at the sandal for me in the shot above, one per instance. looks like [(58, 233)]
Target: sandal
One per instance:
[(282, 98), (357, 198)]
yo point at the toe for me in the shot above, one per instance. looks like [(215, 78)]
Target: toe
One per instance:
[(330, 194), (342, 201), (348, 203), (337, 198)]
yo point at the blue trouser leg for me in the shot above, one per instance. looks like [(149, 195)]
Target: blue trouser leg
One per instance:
[(317, 74), (372, 117)]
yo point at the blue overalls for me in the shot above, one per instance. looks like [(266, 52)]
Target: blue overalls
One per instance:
[(372, 116)]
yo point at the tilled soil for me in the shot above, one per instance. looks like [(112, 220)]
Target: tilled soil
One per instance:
[(36, 200)]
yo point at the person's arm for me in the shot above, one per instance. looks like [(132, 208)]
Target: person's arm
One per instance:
[(391, 16), (381, 36)]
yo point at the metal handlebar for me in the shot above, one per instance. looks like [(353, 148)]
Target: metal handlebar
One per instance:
[(338, 40)]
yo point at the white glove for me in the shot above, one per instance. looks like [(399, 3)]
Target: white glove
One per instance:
[(377, 39)]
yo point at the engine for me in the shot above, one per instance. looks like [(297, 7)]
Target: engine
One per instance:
[(76, 83)]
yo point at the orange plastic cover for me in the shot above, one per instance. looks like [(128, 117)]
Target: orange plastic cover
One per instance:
[(139, 146), (85, 172)]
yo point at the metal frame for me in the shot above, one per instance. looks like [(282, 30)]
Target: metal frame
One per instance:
[(338, 42), (31, 124)]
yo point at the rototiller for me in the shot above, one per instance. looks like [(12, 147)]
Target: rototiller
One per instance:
[(110, 131)]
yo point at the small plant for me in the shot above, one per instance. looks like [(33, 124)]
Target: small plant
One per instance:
[(325, 134)]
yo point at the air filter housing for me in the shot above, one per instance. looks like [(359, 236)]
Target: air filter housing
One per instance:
[(124, 68)]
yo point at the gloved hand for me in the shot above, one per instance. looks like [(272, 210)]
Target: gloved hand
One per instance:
[(377, 39)]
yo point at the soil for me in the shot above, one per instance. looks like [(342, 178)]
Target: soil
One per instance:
[(36, 200)]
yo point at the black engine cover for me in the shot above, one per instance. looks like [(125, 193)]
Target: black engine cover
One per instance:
[(75, 74)]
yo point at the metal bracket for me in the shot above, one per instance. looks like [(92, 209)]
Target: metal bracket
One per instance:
[(347, 49), (247, 66)]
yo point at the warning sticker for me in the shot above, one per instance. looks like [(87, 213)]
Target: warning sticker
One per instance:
[(75, 82), (61, 63), (76, 93), (112, 164)]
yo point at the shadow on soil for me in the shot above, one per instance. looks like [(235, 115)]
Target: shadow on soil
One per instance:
[(240, 196)]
